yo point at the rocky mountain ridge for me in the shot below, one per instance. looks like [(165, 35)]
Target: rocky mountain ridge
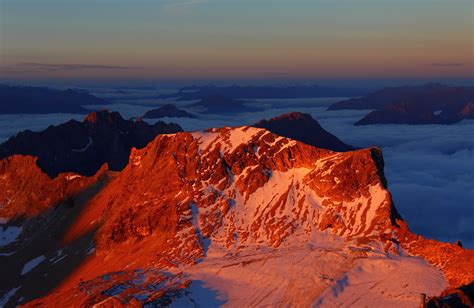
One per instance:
[(83, 147)]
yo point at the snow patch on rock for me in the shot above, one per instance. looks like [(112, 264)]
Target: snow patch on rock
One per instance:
[(84, 148), (6, 297), (32, 264), (9, 234)]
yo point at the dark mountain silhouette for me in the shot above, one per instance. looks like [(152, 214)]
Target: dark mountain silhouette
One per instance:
[(403, 113), (23, 99), (168, 110), (83, 147), (219, 104), (256, 92), (427, 104), (434, 96), (302, 127)]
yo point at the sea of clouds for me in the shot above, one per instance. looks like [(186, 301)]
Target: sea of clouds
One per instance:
[(429, 168)]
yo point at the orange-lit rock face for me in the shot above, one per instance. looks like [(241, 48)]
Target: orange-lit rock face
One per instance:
[(231, 188), (239, 187), (455, 262), (25, 191)]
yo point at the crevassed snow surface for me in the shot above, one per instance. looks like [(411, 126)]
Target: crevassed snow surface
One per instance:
[(9, 234), (32, 264)]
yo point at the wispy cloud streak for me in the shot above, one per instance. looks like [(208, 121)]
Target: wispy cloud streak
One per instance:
[(67, 67)]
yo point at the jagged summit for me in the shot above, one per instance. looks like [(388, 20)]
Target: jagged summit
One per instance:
[(302, 127), (103, 117)]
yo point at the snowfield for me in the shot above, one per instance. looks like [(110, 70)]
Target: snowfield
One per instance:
[(384, 281), (310, 277)]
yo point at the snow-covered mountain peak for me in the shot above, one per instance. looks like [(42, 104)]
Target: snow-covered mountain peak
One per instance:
[(205, 217)]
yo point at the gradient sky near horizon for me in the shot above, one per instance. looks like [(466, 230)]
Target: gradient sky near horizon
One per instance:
[(236, 39)]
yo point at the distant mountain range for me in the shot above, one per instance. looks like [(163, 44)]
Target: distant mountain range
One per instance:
[(25, 99), (220, 104), (167, 111), (262, 92), (426, 104)]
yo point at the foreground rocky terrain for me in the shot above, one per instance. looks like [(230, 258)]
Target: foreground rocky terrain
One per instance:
[(230, 216)]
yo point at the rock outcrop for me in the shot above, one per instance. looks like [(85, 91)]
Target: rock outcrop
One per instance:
[(26, 191)]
